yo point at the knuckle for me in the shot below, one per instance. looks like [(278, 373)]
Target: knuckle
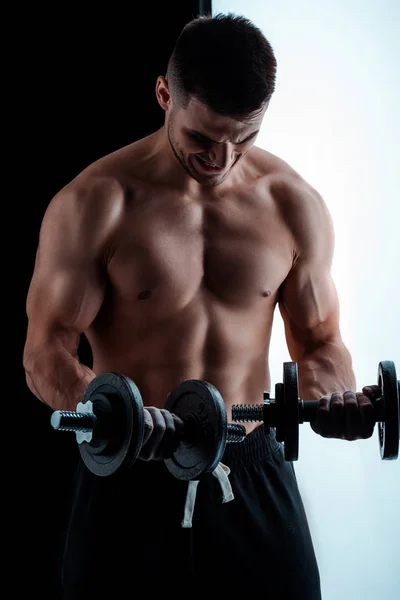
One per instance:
[(161, 427), (146, 456), (148, 430), (337, 400), (324, 402)]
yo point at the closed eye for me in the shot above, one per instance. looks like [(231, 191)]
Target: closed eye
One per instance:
[(204, 140), (199, 138)]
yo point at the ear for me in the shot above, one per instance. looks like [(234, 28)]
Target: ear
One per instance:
[(163, 93)]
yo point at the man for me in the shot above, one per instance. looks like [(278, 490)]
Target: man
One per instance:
[(171, 255)]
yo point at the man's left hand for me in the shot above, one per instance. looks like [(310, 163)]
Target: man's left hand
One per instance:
[(347, 416)]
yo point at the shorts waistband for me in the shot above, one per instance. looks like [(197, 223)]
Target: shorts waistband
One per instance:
[(257, 445)]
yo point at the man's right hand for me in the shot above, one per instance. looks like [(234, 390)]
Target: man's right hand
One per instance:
[(162, 434)]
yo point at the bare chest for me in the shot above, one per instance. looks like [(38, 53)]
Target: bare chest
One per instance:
[(237, 253)]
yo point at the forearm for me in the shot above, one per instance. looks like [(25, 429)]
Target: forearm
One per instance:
[(326, 370), (56, 377)]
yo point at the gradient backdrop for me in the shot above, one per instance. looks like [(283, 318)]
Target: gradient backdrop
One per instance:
[(335, 118)]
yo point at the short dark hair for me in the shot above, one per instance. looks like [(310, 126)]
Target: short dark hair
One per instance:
[(225, 62)]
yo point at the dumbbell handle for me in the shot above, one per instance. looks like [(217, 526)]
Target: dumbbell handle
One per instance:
[(252, 413), (85, 422)]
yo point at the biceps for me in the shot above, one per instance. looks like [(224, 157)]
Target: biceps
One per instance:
[(309, 306), (64, 298)]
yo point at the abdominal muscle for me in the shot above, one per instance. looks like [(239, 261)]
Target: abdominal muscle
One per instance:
[(206, 341)]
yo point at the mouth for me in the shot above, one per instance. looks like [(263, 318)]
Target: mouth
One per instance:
[(207, 167)]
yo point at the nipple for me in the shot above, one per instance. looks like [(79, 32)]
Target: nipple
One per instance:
[(144, 295)]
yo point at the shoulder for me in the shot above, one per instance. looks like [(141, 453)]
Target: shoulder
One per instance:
[(85, 213), (301, 206), (304, 209), (105, 184), (307, 217), (91, 194), (100, 196)]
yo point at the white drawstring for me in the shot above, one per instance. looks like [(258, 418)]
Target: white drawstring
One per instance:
[(221, 473)]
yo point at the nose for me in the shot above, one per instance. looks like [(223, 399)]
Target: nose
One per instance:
[(222, 155)]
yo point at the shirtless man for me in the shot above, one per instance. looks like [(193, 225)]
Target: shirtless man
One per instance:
[(171, 255)]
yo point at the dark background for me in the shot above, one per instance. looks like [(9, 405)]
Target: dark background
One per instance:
[(82, 85)]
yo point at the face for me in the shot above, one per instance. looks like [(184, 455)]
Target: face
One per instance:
[(208, 145)]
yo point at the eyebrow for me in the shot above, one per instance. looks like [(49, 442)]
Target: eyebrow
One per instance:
[(208, 139)]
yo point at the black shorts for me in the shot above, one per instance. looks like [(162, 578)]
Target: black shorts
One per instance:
[(125, 538)]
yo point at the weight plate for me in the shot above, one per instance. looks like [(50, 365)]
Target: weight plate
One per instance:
[(291, 416), (280, 412), (118, 436), (389, 429), (202, 409)]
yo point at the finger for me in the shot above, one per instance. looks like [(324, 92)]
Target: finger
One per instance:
[(337, 422), (352, 417), (179, 425), (368, 415), (148, 426), (322, 422), (150, 447), (372, 391), (172, 435)]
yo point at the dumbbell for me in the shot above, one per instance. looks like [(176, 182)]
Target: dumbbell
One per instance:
[(109, 426), (287, 411)]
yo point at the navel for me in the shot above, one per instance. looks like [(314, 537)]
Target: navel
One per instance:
[(144, 295)]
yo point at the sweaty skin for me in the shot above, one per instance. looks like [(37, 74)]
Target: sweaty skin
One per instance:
[(175, 274)]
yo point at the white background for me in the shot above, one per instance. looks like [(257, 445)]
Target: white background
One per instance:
[(334, 117)]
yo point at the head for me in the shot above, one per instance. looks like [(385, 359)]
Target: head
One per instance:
[(219, 81)]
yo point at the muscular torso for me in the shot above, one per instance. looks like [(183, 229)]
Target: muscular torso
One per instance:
[(192, 284)]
